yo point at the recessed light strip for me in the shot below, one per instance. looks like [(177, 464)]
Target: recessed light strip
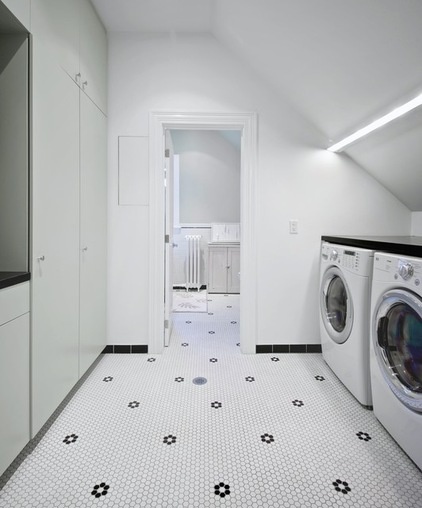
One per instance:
[(389, 117)]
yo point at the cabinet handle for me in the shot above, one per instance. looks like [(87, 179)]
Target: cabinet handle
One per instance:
[(40, 258), (84, 249), (84, 84), (78, 77), (227, 267)]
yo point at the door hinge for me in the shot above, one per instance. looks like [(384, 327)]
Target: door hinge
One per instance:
[(167, 238), (167, 152), (166, 323)]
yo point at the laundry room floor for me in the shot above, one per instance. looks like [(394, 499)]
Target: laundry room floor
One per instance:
[(268, 430)]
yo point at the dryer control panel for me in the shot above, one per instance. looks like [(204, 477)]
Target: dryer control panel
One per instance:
[(355, 260)]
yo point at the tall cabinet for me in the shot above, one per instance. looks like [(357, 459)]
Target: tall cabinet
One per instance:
[(68, 199)]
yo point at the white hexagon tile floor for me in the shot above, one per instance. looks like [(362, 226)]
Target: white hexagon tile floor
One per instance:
[(267, 430)]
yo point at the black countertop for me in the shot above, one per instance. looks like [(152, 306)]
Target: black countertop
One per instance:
[(8, 279), (405, 245)]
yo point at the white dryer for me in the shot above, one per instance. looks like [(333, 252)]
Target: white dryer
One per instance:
[(345, 288), (396, 349)]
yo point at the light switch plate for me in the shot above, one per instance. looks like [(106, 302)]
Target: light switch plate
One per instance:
[(294, 226)]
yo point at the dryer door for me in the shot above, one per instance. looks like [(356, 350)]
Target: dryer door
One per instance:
[(397, 341), (336, 305)]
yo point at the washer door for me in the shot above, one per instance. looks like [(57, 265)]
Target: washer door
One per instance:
[(336, 305), (397, 340)]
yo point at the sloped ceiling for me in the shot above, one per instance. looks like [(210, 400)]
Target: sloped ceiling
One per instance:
[(341, 63)]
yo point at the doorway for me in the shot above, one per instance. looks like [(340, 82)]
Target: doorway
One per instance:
[(203, 223), (246, 124)]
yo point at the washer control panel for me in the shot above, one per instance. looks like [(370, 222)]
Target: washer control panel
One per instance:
[(404, 270)]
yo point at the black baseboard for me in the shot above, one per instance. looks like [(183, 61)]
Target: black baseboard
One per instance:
[(191, 289), (125, 349), (288, 348)]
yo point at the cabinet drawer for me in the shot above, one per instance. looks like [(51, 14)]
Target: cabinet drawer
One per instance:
[(14, 301), (14, 389)]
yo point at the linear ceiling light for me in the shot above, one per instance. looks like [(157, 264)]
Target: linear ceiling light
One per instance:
[(401, 110)]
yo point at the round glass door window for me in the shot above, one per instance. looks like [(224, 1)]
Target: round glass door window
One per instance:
[(399, 345), (336, 307)]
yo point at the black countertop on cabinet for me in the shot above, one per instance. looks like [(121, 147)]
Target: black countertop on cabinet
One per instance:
[(8, 279), (405, 245)]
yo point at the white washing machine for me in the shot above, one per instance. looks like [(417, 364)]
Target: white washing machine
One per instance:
[(396, 349), (345, 288)]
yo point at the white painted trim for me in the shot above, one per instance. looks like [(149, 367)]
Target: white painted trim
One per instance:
[(247, 123)]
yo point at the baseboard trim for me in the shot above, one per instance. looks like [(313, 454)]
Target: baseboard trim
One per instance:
[(125, 349), (288, 348)]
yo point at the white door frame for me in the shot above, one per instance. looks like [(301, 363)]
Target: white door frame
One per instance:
[(159, 122)]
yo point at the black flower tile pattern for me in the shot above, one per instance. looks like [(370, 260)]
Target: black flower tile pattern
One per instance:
[(222, 489), (216, 404), (100, 490), (267, 438), (151, 360), (298, 403), (125, 448), (341, 486), (275, 359), (213, 360), (70, 439), (134, 404), (363, 436), (184, 344), (250, 379), (170, 439), (108, 379), (320, 378)]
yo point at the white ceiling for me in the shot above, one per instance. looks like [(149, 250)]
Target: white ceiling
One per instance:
[(341, 63)]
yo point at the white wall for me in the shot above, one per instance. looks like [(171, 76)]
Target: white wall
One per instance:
[(209, 177), (327, 193), (416, 224)]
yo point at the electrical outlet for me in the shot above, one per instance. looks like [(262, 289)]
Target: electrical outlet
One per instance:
[(294, 226)]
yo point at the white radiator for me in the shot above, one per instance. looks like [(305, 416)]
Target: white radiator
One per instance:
[(193, 262)]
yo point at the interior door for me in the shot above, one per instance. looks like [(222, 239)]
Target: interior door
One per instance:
[(168, 275)]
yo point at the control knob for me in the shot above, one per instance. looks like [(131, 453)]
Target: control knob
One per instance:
[(406, 271), (334, 255)]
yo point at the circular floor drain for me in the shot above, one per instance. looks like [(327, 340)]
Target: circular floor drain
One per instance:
[(199, 381)]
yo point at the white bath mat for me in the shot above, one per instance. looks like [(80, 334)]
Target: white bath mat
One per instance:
[(190, 301)]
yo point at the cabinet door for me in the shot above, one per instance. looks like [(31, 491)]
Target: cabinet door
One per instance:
[(55, 237), (233, 272), (14, 389), (217, 270), (56, 24), (93, 55), (93, 202)]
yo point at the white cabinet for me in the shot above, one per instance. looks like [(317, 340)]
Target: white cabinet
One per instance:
[(76, 40), (223, 268), (93, 55), (56, 24), (93, 233), (55, 236), (14, 372), (68, 208)]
